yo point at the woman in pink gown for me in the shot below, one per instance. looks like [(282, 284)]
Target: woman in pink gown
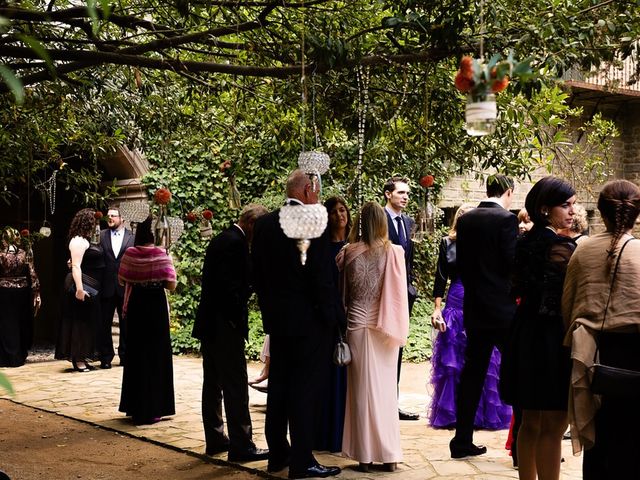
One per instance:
[(375, 295)]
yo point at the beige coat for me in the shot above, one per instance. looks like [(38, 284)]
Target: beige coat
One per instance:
[(586, 289)]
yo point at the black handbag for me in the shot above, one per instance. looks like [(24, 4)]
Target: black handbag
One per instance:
[(89, 285), (613, 381), (341, 352)]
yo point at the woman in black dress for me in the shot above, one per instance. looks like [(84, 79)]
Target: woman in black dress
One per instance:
[(19, 299), (538, 365), (330, 419), (81, 304), (147, 380)]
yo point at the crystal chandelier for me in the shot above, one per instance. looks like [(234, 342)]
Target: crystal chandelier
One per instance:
[(302, 223), (314, 162), (176, 227), (134, 212)]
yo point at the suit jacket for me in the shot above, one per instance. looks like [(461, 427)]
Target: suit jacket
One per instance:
[(295, 299), (408, 253), (486, 244), (110, 284), (226, 285)]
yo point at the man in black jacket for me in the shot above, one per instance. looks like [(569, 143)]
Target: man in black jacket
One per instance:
[(114, 241), (300, 312), (221, 325), (486, 243)]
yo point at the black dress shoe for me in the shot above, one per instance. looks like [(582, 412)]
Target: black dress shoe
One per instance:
[(105, 365), (316, 470), (214, 450), (407, 415), (250, 455), (466, 450)]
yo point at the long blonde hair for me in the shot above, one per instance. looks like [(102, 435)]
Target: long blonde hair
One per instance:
[(370, 225), (464, 208)]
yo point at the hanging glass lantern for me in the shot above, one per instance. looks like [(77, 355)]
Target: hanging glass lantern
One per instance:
[(481, 115), (234, 194), (45, 229), (314, 162), (176, 227), (134, 212), (302, 223), (95, 236), (162, 229)]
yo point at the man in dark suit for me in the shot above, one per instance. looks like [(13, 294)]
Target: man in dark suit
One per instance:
[(396, 192), (486, 242), (114, 241), (221, 325), (299, 311)]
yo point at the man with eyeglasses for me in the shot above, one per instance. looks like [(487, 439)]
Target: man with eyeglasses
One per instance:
[(114, 241)]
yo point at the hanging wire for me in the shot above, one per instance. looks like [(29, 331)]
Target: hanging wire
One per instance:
[(313, 109)]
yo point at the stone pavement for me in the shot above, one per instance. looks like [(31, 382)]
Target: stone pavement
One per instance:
[(94, 397)]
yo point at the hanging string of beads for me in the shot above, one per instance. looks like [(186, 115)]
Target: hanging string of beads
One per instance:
[(363, 77)]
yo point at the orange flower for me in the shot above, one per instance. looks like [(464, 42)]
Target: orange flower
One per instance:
[(191, 217), (466, 67), (426, 181), (499, 85), (162, 196), (24, 232), (463, 83), (225, 165), (207, 214), (97, 215)]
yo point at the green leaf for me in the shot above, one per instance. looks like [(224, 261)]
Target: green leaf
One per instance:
[(5, 383), (13, 82)]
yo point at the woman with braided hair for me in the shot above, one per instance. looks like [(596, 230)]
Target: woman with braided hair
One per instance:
[(606, 427)]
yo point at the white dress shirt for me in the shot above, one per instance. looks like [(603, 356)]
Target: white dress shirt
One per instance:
[(117, 236)]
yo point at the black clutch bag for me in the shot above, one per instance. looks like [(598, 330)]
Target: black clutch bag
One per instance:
[(89, 285)]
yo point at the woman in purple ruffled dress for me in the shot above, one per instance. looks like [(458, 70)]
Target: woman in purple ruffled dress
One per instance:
[(449, 346)]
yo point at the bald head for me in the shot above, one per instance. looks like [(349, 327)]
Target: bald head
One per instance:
[(300, 187)]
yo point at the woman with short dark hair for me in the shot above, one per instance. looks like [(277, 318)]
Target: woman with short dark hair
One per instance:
[(537, 365), (605, 426)]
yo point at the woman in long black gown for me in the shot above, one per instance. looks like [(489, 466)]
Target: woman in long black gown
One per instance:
[(81, 310), (19, 298), (147, 381)]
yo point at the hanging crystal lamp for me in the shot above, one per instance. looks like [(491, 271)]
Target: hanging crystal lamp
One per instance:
[(302, 223), (134, 212), (314, 163)]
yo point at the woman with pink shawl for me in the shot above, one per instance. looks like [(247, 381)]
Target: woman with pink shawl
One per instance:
[(147, 380), (374, 288)]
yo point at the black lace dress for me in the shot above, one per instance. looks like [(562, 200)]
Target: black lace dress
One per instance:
[(536, 372)]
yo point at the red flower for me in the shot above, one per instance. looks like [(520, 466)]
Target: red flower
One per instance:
[(98, 215), (466, 66), (225, 166), (24, 232), (426, 181), (499, 85), (191, 217), (162, 196), (463, 83), (207, 214)]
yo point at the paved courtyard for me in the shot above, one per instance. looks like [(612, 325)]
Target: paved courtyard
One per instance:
[(94, 396)]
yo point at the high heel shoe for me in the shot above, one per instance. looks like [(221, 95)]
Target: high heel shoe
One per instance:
[(364, 467), (84, 368)]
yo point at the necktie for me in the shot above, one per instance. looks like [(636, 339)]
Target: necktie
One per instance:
[(401, 236)]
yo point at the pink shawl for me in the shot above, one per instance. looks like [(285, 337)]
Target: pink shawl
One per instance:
[(144, 265), (393, 317)]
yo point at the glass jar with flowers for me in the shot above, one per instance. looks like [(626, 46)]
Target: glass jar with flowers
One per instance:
[(481, 82), (162, 228)]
